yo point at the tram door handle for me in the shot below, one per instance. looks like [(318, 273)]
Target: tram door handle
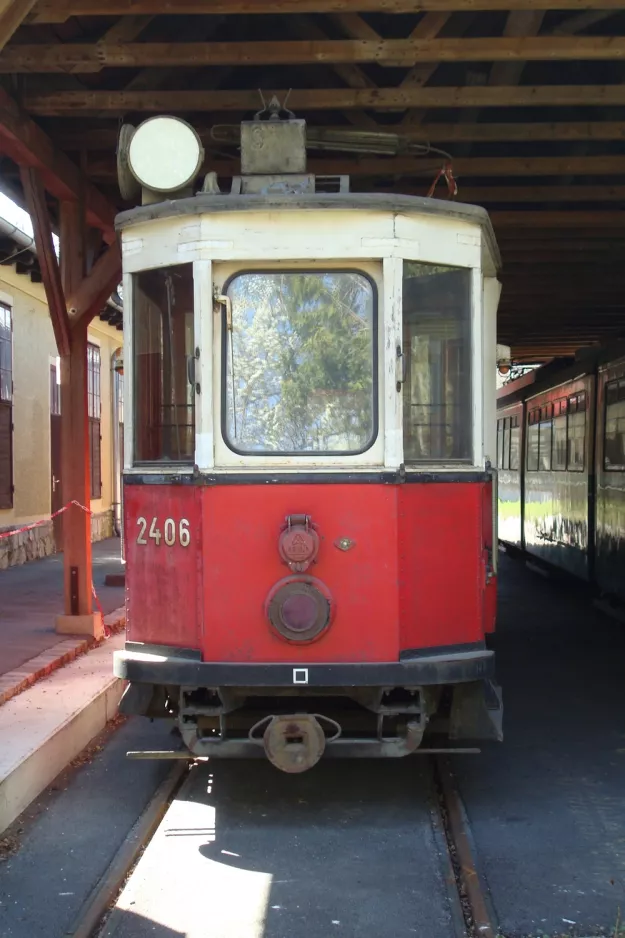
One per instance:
[(400, 367)]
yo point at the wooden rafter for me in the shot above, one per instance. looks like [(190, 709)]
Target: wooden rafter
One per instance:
[(477, 195), (51, 275), (559, 220), (351, 74), (510, 52), (428, 27), (486, 166), (105, 137), (12, 15), (127, 28), (93, 291), (581, 21), (76, 103), (58, 11), (25, 143)]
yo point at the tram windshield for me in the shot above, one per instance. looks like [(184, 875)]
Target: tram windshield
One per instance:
[(300, 363), (437, 349)]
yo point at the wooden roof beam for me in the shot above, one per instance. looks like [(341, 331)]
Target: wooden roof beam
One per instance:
[(351, 74), (77, 103), (93, 291), (411, 166), (479, 194), (12, 15), (127, 28), (48, 264), (581, 21), (27, 145), (105, 137), (509, 54), (58, 11), (559, 219)]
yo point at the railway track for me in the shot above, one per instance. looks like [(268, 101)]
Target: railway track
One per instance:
[(134, 880)]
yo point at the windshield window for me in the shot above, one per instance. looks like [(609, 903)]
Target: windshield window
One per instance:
[(299, 363)]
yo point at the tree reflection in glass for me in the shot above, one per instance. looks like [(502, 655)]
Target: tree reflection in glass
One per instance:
[(299, 363)]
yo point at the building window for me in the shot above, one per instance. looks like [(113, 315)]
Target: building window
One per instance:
[(614, 427), (55, 392), (94, 406), (6, 408)]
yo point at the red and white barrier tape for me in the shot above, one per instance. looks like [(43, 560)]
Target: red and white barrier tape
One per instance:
[(38, 524)]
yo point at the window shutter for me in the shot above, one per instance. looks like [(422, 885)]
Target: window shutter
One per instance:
[(6, 455)]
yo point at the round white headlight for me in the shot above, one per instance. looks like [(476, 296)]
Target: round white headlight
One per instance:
[(165, 154)]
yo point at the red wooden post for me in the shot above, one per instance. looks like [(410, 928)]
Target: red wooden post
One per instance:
[(75, 476)]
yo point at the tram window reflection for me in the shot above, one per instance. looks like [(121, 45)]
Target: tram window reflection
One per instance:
[(299, 363), (164, 418), (437, 349), (515, 444), (614, 443)]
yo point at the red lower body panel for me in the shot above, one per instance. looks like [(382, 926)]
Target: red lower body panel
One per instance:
[(201, 561)]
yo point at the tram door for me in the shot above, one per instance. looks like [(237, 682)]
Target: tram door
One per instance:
[(56, 499)]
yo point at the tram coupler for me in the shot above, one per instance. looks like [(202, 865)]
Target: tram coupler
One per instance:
[(294, 743)]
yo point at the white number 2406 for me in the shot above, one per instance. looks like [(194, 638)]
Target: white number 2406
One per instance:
[(169, 532)]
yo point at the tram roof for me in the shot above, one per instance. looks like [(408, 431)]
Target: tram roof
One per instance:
[(559, 371), (527, 97), (340, 201)]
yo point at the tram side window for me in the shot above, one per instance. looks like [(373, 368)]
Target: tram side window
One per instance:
[(437, 351), (515, 444), (164, 406), (559, 436), (576, 435), (532, 440), (508, 443), (614, 439), (545, 437)]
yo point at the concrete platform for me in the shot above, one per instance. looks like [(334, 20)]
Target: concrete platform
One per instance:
[(46, 726), (32, 595), (41, 666), (62, 845)]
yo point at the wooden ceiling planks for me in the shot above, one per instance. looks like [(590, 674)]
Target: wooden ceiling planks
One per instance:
[(520, 82)]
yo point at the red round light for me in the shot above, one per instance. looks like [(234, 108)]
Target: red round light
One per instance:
[(299, 608), (299, 612)]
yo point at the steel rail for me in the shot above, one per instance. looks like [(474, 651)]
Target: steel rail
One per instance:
[(476, 907), (97, 904)]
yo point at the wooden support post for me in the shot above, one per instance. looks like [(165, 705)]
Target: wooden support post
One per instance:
[(36, 201), (75, 466)]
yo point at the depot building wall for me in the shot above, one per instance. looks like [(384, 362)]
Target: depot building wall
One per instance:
[(33, 356)]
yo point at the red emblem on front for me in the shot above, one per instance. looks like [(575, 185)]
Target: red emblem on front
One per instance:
[(299, 543)]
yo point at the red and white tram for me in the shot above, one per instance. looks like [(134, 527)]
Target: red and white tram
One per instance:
[(308, 490)]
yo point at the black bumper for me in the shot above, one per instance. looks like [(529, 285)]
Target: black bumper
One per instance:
[(177, 667)]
